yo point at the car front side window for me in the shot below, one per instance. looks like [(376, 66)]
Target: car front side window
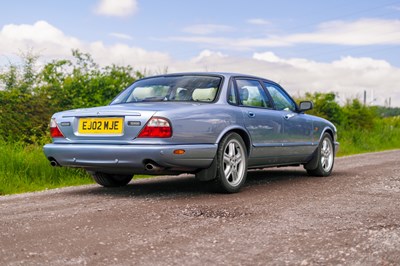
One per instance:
[(281, 100)]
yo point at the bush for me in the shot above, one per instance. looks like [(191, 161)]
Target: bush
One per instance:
[(31, 96)]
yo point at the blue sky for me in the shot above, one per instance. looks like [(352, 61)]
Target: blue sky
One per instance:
[(341, 46)]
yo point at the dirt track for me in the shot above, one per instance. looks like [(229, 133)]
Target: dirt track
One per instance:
[(281, 217)]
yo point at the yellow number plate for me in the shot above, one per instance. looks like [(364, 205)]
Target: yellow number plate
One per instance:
[(106, 125)]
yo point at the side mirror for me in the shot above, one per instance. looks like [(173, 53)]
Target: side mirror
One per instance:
[(305, 106)]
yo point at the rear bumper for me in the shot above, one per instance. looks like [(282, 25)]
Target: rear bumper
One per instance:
[(131, 158)]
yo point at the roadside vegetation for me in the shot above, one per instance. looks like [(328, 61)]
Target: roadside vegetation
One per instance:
[(360, 128), (29, 95), (23, 168)]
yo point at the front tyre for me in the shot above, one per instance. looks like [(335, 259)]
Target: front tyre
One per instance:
[(231, 163), (109, 180), (326, 157)]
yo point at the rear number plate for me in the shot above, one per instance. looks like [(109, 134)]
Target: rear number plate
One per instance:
[(106, 125)]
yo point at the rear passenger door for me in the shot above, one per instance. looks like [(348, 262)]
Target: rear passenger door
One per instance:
[(262, 122)]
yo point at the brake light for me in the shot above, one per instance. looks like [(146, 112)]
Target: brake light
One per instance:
[(156, 128), (55, 132)]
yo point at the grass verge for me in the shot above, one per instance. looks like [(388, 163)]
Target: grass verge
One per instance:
[(384, 135), (25, 168)]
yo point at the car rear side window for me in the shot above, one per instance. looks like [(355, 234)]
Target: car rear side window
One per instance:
[(232, 98), (252, 94)]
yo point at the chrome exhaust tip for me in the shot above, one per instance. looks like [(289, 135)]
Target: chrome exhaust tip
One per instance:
[(54, 163), (152, 167)]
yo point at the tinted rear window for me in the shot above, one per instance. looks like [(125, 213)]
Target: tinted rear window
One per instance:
[(171, 88)]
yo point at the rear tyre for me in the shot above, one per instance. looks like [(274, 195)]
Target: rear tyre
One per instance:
[(109, 180), (325, 159), (231, 164)]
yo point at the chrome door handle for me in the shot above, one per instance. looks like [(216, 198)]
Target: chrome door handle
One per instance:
[(288, 116)]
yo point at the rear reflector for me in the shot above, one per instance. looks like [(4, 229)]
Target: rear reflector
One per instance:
[(156, 128)]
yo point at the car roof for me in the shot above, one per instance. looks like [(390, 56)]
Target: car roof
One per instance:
[(225, 74)]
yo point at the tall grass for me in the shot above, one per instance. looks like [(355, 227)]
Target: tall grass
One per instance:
[(25, 168), (384, 135)]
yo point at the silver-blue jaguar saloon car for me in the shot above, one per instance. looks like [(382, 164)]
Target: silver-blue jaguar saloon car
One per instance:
[(213, 125)]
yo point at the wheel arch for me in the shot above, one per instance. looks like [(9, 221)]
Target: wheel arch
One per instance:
[(330, 132), (211, 172), (313, 163), (242, 133)]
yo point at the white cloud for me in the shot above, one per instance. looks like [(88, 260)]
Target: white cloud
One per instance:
[(117, 8), (353, 63), (128, 55), (121, 36), (205, 29), (41, 36), (349, 76), (205, 54), (258, 21), (267, 56), (298, 63), (360, 32), (230, 43), (50, 42)]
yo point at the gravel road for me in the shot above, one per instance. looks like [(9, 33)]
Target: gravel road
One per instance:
[(281, 217)]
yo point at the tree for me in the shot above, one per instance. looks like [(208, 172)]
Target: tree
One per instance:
[(83, 83), (325, 106), (22, 111), (358, 116)]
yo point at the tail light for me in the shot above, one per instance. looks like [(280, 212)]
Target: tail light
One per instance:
[(156, 128), (55, 132)]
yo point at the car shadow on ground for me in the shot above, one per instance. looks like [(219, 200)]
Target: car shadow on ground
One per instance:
[(187, 185)]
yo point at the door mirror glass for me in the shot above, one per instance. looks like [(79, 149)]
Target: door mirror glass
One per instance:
[(306, 105)]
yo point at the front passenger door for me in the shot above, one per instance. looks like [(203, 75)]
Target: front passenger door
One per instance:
[(297, 138)]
